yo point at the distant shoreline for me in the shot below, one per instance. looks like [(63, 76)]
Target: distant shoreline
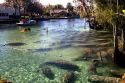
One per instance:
[(14, 21), (49, 18), (9, 21)]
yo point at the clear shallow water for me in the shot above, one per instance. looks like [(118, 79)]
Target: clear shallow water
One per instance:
[(65, 40)]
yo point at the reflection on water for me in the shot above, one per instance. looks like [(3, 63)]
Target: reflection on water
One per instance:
[(48, 41)]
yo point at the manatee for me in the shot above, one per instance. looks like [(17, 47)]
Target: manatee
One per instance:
[(69, 77), (47, 72), (14, 44), (63, 65), (41, 49)]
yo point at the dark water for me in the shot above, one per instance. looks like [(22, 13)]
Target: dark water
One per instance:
[(22, 53)]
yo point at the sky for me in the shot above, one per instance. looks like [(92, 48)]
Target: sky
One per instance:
[(1, 1), (52, 2)]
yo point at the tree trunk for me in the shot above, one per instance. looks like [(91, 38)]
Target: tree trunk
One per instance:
[(115, 37), (19, 11), (15, 11), (123, 38), (116, 50), (17, 7)]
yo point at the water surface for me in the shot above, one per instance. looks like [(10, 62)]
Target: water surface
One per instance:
[(52, 40)]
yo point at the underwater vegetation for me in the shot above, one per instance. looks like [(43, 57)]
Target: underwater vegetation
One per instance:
[(88, 55)]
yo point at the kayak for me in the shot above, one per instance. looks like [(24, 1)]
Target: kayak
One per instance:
[(26, 23)]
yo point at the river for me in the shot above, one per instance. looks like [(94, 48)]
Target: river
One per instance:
[(21, 54)]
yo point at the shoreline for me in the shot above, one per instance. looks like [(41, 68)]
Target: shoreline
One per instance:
[(13, 21), (9, 21)]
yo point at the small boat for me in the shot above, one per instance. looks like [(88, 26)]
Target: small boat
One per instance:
[(26, 23)]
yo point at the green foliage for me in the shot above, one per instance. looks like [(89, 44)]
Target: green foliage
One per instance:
[(82, 9), (46, 10), (69, 7), (58, 6), (104, 15), (106, 10), (35, 8)]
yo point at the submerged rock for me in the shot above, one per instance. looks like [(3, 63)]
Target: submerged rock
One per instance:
[(14, 44), (83, 57), (64, 46), (47, 72), (4, 81), (41, 49), (107, 44), (63, 65), (88, 55), (116, 73), (105, 55), (103, 79), (69, 77), (85, 45), (101, 40), (92, 68)]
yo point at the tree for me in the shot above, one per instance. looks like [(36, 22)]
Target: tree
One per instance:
[(83, 3), (46, 10), (36, 8), (19, 4), (69, 7), (58, 6), (14, 4), (108, 14)]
